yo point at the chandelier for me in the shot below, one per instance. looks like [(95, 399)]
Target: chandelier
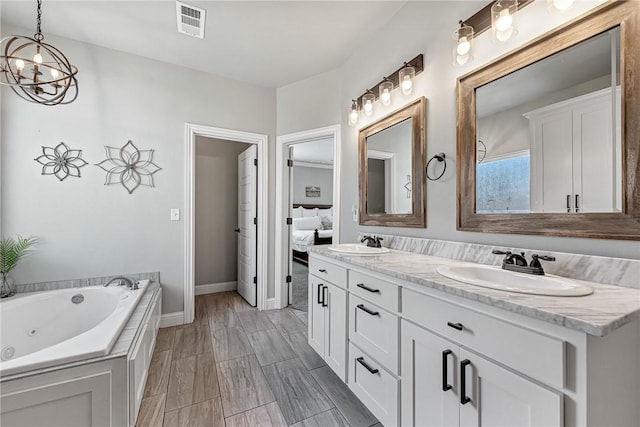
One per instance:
[(37, 71)]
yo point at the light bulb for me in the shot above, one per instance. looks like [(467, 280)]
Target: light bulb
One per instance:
[(386, 97), (407, 85), (463, 46), (562, 4), (55, 73), (503, 36), (368, 108), (353, 117), (37, 58), (504, 21), (19, 64)]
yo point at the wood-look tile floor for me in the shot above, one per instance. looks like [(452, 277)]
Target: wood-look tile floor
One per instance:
[(235, 366)]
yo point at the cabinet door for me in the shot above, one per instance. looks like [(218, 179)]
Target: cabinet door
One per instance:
[(429, 366), (316, 315), (138, 369), (336, 330), (499, 397)]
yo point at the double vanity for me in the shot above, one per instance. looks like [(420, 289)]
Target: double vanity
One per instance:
[(420, 348)]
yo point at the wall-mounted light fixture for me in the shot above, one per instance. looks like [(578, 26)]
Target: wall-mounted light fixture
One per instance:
[(504, 23), (37, 71), (463, 44), (402, 78)]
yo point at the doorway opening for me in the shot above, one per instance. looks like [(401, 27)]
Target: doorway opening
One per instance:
[(307, 206), (251, 214)]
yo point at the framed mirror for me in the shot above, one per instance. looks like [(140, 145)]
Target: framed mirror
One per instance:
[(392, 175), (549, 135)]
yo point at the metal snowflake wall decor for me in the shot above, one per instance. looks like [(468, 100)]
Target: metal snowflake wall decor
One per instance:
[(61, 161), (129, 166)]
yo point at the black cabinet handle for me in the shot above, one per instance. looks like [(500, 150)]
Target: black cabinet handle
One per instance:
[(457, 326), (366, 310), (322, 270), (577, 204), (363, 286), (320, 293), (568, 202), (464, 399), (361, 361), (324, 297), (445, 370)]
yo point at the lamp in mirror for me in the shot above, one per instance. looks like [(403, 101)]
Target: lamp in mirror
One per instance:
[(386, 87), (367, 102), (406, 75), (503, 20), (463, 45), (353, 114)]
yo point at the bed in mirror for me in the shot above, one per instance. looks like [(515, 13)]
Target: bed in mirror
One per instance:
[(392, 169), (548, 136)]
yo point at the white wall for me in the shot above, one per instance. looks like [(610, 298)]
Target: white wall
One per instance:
[(87, 229), (216, 210), (306, 176), (405, 36)]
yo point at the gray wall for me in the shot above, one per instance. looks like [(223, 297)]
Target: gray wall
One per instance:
[(401, 39), (87, 229), (216, 210), (306, 176)]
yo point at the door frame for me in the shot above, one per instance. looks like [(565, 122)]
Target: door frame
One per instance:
[(283, 142), (261, 141)]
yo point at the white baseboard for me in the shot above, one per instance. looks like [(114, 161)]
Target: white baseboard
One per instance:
[(172, 319), (216, 287), (272, 304)]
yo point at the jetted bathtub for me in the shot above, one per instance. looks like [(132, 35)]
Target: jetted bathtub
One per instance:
[(42, 329)]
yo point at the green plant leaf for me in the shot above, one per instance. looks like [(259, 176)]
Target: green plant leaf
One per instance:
[(11, 251)]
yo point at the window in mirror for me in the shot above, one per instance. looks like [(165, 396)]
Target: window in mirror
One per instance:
[(564, 113)]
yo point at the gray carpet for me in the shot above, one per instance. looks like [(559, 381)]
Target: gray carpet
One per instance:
[(299, 277)]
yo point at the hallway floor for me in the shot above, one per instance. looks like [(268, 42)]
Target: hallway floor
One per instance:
[(235, 366)]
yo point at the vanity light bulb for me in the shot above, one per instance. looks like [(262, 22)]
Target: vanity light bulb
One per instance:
[(505, 21), (353, 117), (19, 64), (464, 46), (562, 4), (503, 36), (368, 108), (37, 58), (407, 85), (386, 97)]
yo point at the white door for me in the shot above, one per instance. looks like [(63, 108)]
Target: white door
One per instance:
[(247, 247)]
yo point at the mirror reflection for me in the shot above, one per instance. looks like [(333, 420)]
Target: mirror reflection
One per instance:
[(389, 170), (549, 135)]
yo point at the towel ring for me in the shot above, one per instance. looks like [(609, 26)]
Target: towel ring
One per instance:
[(440, 157)]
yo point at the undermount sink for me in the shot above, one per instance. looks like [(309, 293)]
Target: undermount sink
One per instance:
[(503, 280), (357, 249)]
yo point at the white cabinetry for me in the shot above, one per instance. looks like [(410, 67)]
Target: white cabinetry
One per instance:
[(327, 323), (576, 155)]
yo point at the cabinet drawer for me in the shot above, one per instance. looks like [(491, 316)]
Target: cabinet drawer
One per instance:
[(375, 331), (377, 389), (328, 271), (383, 293), (534, 354)]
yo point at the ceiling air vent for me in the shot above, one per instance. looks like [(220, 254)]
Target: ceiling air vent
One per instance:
[(190, 20)]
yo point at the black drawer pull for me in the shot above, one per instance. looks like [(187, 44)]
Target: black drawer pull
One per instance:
[(464, 399), (324, 297), (363, 286), (366, 310), (445, 370), (361, 361), (322, 270), (320, 293), (457, 326)]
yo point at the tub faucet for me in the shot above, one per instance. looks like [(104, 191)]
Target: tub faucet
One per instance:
[(372, 242), (131, 284)]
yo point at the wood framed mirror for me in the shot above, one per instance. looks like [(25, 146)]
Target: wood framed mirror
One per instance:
[(549, 135), (391, 172)]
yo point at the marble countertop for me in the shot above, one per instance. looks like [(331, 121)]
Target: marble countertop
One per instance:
[(121, 346), (608, 308)]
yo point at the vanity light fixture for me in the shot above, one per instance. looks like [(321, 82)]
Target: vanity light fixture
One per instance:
[(353, 113), (35, 70), (560, 5), (367, 102), (406, 75), (386, 87), (463, 46), (503, 20)]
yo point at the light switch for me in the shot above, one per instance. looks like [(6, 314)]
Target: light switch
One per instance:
[(354, 211), (175, 214)]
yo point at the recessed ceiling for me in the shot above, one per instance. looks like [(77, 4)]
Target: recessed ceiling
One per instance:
[(267, 43)]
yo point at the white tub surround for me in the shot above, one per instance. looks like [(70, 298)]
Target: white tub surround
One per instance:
[(43, 329), (81, 283), (419, 348), (104, 390)]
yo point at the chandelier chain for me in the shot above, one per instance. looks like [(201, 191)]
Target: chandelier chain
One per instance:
[(38, 36)]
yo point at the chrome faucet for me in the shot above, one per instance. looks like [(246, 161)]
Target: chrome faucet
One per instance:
[(518, 263), (372, 241), (123, 281)]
